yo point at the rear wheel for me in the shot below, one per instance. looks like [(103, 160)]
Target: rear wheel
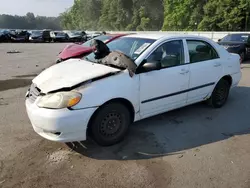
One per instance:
[(220, 94), (243, 56), (110, 124)]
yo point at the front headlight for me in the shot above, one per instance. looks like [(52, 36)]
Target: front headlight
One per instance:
[(59, 100)]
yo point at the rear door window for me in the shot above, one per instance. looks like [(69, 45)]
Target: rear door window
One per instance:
[(201, 51)]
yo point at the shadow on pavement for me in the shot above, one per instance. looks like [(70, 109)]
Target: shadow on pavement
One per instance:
[(14, 83), (173, 132)]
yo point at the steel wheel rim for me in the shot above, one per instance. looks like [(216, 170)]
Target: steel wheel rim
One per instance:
[(221, 95), (110, 125)]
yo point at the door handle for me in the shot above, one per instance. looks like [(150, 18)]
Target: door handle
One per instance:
[(183, 71), (217, 64)]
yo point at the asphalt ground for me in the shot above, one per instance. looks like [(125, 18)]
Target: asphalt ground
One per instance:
[(196, 146)]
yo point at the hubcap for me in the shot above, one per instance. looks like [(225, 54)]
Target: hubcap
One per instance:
[(221, 95), (111, 125)]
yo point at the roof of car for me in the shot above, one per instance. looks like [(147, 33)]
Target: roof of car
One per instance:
[(162, 35), (117, 34)]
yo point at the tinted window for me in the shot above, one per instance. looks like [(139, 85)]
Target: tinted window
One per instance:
[(236, 38), (200, 51), (169, 54)]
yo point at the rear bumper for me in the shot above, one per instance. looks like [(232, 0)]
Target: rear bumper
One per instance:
[(236, 79)]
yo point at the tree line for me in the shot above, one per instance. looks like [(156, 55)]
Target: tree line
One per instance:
[(155, 15), (29, 21), (142, 15)]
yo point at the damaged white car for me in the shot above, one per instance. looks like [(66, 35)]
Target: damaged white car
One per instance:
[(144, 75)]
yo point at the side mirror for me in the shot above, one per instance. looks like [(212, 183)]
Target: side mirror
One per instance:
[(151, 66)]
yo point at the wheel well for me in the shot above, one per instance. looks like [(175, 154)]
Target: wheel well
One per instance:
[(228, 78), (123, 101)]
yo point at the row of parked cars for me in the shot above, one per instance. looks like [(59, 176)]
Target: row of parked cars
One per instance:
[(98, 91), (46, 35)]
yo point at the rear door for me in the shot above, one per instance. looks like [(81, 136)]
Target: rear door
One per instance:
[(205, 69)]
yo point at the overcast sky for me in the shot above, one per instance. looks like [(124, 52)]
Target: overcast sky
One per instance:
[(38, 7)]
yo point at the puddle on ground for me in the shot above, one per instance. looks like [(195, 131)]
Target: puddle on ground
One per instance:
[(14, 83)]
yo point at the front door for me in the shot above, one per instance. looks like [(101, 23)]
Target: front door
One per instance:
[(165, 89)]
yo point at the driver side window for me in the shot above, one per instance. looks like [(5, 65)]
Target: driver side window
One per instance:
[(168, 54)]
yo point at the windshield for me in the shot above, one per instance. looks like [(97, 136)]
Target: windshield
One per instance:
[(102, 38), (37, 32), (131, 46), (74, 33), (235, 38), (60, 34)]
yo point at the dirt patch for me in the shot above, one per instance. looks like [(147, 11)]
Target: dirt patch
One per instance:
[(49, 164), (14, 83)]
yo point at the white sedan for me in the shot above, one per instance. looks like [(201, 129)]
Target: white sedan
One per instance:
[(148, 75)]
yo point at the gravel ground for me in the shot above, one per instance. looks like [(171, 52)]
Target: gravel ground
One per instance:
[(195, 146)]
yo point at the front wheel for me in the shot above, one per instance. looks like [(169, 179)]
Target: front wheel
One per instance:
[(220, 94), (110, 124)]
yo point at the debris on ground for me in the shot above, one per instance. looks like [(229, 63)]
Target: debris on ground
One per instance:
[(197, 150), (13, 52)]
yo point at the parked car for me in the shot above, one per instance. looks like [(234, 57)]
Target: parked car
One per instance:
[(144, 75), (81, 50), (36, 36), (59, 36), (40, 36), (19, 36), (76, 36), (237, 43), (5, 36)]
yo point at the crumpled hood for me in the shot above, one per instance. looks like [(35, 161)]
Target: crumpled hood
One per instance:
[(70, 73), (74, 50)]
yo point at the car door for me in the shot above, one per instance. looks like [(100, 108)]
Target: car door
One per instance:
[(205, 69), (165, 89), (248, 47)]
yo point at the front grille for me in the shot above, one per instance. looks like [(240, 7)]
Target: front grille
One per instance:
[(34, 92)]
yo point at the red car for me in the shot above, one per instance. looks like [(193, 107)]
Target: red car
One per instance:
[(81, 50)]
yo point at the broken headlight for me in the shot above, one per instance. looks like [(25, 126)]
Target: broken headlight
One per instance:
[(59, 100)]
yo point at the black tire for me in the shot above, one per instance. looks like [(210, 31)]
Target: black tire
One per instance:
[(220, 94), (243, 56), (110, 124)]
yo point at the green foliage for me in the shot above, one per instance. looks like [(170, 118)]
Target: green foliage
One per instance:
[(29, 22), (143, 15)]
